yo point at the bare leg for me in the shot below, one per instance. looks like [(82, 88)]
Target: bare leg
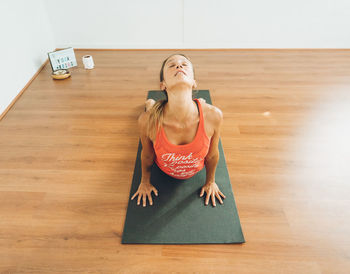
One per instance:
[(148, 104)]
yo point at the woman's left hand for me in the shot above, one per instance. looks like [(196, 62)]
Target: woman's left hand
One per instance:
[(212, 190)]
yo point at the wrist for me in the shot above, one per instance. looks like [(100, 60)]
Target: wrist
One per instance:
[(145, 182), (209, 182)]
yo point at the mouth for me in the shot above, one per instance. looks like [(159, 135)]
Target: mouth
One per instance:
[(180, 71)]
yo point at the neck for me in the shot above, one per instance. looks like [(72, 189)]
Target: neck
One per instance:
[(180, 106)]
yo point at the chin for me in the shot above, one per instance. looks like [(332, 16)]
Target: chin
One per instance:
[(182, 84)]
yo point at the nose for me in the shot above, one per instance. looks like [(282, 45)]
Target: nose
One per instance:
[(177, 66)]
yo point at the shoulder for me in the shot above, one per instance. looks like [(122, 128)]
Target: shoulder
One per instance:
[(143, 117), (213, 114), (216, 114), (146, 129), (143, 121)]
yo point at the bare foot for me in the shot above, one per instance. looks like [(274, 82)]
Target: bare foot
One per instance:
[(149, 103), (202, 100)]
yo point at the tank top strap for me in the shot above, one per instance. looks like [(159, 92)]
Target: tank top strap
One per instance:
[(158, 136), (201, 127), (201, 119)]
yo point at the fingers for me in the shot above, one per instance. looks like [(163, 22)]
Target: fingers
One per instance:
[(155, 191), (150, 199), (202, 192), (133, 196), (213, 195), (138, 199), (218, 196), (207, 199), (213, 199), (222, 194), (144, 199)]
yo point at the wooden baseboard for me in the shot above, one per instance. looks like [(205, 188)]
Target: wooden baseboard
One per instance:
[(23, 89)]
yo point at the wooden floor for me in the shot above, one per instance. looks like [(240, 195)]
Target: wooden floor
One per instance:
[(68, 149)]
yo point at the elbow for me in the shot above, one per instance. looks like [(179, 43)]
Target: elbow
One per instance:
[(212, 157), (149, 157)]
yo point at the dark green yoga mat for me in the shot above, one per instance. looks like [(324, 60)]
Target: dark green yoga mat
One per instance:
[(178, 215)]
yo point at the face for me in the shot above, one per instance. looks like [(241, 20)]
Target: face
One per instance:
[(177, 71)]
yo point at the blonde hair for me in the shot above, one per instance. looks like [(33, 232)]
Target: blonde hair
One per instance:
[(156, 112)]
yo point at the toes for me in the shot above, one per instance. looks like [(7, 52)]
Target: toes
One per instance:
[(149, 103)]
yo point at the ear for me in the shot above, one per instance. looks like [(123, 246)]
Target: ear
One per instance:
[(162, 85), (194, 84)]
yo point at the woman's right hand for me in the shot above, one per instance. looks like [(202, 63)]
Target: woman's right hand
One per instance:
[(144, 190)]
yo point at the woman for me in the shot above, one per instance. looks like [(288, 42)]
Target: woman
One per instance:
[(180, 134)]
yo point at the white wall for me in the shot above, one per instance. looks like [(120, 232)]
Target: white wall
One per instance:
[(30, 29), (201, 23), (117, 24), (26, 37)]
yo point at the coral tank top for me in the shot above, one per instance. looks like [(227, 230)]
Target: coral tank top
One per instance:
[(182, 161)]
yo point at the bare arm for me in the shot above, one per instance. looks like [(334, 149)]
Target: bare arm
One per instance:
[(210, 187), (147, 156), (212, 158), (147, 152)]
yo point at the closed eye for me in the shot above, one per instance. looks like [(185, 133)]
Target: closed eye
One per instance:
[(173, 65)]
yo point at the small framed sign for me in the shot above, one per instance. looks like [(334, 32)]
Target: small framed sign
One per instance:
[(62, 59)]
